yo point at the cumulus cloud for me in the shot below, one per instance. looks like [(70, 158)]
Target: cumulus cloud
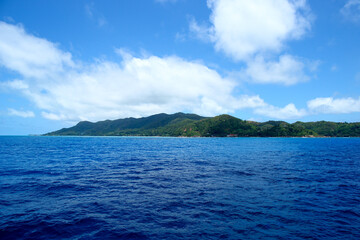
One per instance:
[(24, 114), (242, 28), (351, 10), (249, 30), (336, 106), (247, 101), (287, 71), (138, 86), (288, 112), (29, 55), (315, 106), (134, 86)]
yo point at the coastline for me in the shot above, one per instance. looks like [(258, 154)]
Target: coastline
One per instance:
[(159, 136)]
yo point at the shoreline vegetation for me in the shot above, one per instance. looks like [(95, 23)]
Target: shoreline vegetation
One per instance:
[(192, 125)]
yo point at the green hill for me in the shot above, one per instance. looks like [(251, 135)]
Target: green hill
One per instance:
[(192, 125), (159, 124)]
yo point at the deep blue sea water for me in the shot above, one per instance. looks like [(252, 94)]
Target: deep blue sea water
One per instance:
[(179, 188)]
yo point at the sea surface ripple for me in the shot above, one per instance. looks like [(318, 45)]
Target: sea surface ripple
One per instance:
[(179, 188)]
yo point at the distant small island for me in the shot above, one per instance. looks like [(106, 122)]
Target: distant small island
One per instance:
[(192, 125)]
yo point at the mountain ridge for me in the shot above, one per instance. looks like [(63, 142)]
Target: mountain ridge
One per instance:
[(192, 125)]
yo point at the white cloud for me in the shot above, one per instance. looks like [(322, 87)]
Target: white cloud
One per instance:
[(53, 116), (336, 106), (251, 31), (315, 106), (24, 114), (15, 84), (201, 32), (247, 101), (242, 28), (139, 86), (134, 86), (351, 10), (288, 112), (288, 71), (29, 55)]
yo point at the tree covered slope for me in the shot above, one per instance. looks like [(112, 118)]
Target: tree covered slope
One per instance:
[(191, 125)]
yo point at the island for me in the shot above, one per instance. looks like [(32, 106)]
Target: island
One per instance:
[(192, 125)]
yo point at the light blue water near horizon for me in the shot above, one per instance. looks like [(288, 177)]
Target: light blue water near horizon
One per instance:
[(179, 188)]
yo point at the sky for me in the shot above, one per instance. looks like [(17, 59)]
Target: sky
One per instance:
[(66, 61)]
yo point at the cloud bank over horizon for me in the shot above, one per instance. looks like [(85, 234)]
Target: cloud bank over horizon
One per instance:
[(134, 86)]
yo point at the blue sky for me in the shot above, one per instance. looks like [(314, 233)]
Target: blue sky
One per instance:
[(66, 61)]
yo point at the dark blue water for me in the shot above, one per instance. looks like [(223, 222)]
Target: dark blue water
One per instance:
[(179, 188)]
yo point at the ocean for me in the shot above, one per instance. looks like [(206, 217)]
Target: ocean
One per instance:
[(179, 188)]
